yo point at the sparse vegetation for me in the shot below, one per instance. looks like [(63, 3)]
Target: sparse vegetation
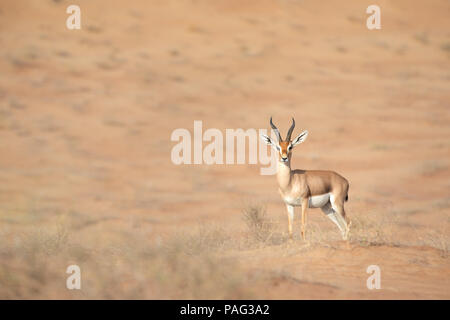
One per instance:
[(439, 239), (184, 266), (205, 239), (422, 38), (341, 49), (260, 227), (380, 147), (373, 230), (205, 262), (446, 47), (441, 204), (432, 167)]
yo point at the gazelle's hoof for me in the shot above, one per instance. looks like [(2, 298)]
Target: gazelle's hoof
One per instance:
[(345, 235), (347, 232)]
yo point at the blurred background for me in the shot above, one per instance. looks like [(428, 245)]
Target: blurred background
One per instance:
[(86, 176)]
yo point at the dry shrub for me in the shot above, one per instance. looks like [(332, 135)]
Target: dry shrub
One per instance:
[(431, 167), (260, 228), (127, 266), (379, 229), (204, 239), (47, 241), (201, 264), (317, 235), (422, 37), (193, 267), (439, 239), (445, 46), (373, 229), (441, 204), (31, 262)]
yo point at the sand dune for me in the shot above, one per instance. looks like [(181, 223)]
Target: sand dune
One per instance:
[(85, 123)]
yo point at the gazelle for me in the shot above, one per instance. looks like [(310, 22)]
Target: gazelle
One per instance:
[(308, 188)]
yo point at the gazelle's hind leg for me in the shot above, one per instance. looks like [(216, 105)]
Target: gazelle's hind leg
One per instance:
[(332, 215), (338, 206)]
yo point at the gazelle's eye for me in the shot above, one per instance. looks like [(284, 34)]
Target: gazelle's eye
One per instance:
[(290, 148)]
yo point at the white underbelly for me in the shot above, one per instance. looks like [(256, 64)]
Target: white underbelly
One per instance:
[(317, 201)]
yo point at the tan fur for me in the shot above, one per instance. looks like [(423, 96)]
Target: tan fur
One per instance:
[(307, 183)]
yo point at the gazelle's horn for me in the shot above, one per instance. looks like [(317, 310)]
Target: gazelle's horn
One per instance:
[(276, 130), (288, 137)]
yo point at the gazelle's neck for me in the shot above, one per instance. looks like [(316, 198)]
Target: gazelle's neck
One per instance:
[(284, 174)]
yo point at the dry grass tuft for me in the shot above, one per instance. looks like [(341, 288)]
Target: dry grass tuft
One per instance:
[(373, 229), (439, 239), (260, 228), (446, 47), (204, 263), (317, 235), (47, 241), (127, 266), (204, 239), (422, 37), (432, 167)]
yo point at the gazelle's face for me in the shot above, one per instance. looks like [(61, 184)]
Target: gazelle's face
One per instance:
[(284, 148)]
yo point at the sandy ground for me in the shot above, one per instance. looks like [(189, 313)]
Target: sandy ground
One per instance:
[(86, 175)]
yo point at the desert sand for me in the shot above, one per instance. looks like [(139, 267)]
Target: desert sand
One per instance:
[(86, 174)]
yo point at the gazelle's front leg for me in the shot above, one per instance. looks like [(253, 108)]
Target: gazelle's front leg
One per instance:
[(305, 203), (290, 210)]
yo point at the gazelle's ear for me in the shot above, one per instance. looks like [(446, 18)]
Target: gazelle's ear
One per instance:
[(267, 140), (300, 138)]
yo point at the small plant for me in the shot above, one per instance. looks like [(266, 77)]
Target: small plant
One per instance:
[(373, 230), (446, 46), (422, 38), (259, 226), (432, 167), (440, 240), (49, 241), (205, 239)]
